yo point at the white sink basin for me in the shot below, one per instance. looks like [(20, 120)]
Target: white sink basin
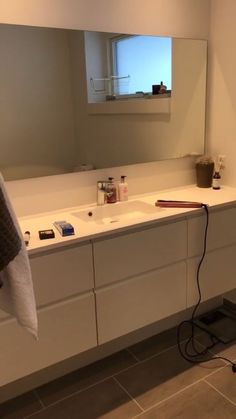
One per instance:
[(113, 213)]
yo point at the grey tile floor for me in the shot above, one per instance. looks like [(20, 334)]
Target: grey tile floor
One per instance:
[(148, 381)]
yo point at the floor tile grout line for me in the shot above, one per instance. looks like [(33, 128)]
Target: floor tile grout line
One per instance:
[(110, 376), (81, 391), (104, 379), (169, 397), (77, 392), (133, 355), (38, 398), (216, 354), (139, 361), (209, 350), (126, 391), (157, 353), (35, 413), (181, 390), (43, 407), (222, 394), (142, 361), (215, 370), (115, 374)]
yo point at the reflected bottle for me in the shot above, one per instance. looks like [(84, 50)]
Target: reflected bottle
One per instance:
[(163, 88), (123, 189), (111, 191)]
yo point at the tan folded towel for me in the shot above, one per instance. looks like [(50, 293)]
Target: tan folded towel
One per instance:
[(16, 292)]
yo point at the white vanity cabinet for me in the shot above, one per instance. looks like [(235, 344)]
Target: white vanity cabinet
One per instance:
[(140, 277), (63, 281), (218, 272), (95, 291), (60, 274)]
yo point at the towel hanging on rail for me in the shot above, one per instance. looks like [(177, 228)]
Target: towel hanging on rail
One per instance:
[(16, 287), (10, 242)]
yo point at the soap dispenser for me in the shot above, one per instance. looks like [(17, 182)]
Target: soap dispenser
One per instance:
[(111, 191), (123, 189)]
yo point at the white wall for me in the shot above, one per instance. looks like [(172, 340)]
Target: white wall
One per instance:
[(221, 132), (181, 18), (96, 57), (163, 17)]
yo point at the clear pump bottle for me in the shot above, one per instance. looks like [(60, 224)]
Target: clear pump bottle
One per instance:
[(123, 189)]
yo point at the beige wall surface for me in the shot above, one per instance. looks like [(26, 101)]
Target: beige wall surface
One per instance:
[(167, 17), (221, 132)]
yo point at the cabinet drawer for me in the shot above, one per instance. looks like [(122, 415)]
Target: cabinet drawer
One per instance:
[(62, 273), (130, 305), (131, 254), (65, 329), (221, 231), (217, 275)]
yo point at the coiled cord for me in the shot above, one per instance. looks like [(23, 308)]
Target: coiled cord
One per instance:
[(195, 356)]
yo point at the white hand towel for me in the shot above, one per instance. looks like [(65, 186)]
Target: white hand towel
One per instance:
[(16, 292)]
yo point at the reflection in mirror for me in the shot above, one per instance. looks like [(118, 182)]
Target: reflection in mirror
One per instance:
[(127, 66), (46, 126)]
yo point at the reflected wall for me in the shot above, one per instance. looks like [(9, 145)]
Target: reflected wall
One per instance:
[(45, 124)]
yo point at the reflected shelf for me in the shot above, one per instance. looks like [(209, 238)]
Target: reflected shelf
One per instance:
[(159, 105)]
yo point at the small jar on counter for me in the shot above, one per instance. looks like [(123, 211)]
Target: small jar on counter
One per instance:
[(216, 180)]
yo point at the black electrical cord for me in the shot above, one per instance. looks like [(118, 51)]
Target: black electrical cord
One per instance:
[(195, 356)]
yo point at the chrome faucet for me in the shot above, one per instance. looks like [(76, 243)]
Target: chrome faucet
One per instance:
[(101, 192)]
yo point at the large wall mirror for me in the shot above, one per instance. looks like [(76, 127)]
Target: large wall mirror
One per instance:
[(58, 114)]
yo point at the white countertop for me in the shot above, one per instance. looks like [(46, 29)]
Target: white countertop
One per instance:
[(86, 230)]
